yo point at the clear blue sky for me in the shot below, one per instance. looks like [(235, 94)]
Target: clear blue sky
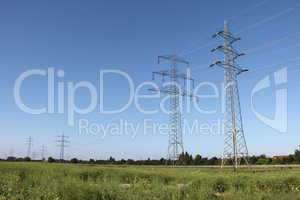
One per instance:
[(84, 37)]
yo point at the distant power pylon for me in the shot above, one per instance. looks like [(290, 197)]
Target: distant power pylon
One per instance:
[(235, 147), (11, 152), (62, 144), (174, 89), (43, 151), (29, 146), (33, 155)]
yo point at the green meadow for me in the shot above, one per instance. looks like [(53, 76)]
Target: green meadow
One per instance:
[(45, 181)]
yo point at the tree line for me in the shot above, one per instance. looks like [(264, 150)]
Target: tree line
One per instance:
[(184, 159)]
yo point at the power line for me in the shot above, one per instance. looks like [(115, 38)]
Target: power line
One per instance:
[(246, 10), (235, 147), (268, 19), (210, 43), (256, 24), (271, 43), (295, 70), (274, 65), (269, 70), (188, 52), (204, 68)]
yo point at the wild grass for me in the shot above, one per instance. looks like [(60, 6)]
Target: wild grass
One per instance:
[(33, 181)]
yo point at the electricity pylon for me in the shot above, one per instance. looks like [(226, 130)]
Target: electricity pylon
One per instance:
[(29, 146), (235, 147), (62, 144), (11, 152), (174, 89), (33, 155), (43, 151)]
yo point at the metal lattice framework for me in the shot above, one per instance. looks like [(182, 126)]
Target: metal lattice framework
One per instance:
[(43, 151), (235, 147), (62, 144), (29, 146), (174, 89)]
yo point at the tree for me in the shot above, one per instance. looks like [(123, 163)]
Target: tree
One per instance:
[(130, 162), (11, 158), (213, 161), (276, 161), (162, 161), (290, 159), (123, 161), (27, 159), (198, 160), (74, 160), (189, 158), (252, 160), (262, 160), (51, 160), (112, 160), (297, 156), (185, 159)]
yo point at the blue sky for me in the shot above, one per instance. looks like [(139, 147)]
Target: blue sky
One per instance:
[(83, 38)]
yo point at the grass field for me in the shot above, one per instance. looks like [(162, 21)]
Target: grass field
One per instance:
[(32, 181)]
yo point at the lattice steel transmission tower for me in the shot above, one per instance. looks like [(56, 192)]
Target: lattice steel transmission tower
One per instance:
[(63, 142), (43, 151), (174, 89), (29, 146), (235, 147)]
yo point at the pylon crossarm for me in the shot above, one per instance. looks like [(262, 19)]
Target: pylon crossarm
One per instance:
[(227, 36), (224, 65), (173, 58), (185, 77), (237, 56), (227, 49), (163, 72)]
